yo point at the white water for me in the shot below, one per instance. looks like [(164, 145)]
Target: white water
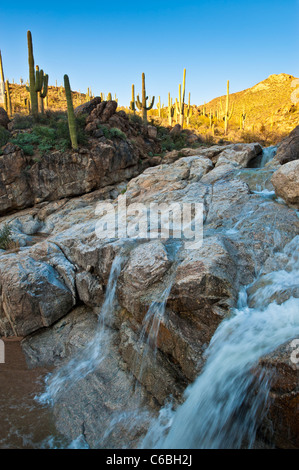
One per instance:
[(150, 328), (93, 354), (223, 406), (268, 154)]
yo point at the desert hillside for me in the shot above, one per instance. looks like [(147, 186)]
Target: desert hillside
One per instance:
[(268, 103)]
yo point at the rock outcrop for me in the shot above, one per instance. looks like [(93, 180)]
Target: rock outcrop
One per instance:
[(288, 149), (286, 183)]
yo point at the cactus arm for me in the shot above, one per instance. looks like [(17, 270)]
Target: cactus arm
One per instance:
[(151, 105), (43, 93), (138, 103)]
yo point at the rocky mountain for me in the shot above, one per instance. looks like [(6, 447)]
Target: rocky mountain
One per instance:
[(267, 103)]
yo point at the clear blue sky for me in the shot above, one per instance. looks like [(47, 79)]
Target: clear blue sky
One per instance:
[(106, 45)]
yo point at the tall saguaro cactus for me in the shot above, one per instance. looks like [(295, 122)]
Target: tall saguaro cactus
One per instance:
[(227, 114), (181, 103), (8, 99), (170, 110), (189, 110), (142, 105), (2, 85), (70, 113), (159, 107), (132, 103), (32, 90)]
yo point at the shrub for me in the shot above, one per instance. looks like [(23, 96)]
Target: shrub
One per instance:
[(50, 132), (109, 133), (5, 237), (135, 118)]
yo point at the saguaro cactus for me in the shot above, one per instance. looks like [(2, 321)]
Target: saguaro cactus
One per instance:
[(3, 97), (8, 99), (41, 87), (159, 107), (142, 105), (170, 110), (227, 114), (33, 94), (132, 103), (181, 103), (70, 113), (189, 110), (243, 116)]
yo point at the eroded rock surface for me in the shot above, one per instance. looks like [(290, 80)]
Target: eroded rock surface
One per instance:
[(242, 230)]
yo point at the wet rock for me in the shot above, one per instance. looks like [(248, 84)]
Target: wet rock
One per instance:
[(286, 183), (147, 264), (33, 294), (90, 290), (281, 424), (239, 154), (52, 345)]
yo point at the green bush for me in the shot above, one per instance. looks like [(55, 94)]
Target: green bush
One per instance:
[(109, 133), (135, 118), (23, 122), (50, 132), (5, 237), (169, 142)]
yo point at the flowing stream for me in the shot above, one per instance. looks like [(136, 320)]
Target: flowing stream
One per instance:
[(86, 360)]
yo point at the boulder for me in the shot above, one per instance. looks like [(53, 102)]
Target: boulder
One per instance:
[(33, 296), (288, 149), (286, 183), (88, 107), (176, 130), (152, 132), (281, 424)]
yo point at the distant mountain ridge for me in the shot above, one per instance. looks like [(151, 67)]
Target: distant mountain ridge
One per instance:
[(267, 100)]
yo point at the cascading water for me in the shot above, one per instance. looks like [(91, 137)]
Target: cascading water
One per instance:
[(268, 154), (150, 329), (94, 353), (222, 407)]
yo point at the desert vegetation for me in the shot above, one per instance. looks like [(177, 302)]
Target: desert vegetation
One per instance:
[(45, 114)]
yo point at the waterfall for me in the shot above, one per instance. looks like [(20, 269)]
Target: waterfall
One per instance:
[(148, 338), (268, 154), (86, 360), (223, 406)]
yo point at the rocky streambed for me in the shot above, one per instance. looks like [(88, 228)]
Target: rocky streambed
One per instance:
[(127, 323)]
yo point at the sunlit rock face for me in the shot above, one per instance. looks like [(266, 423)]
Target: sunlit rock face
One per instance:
[(288, 149), (62, 279), (286, 183)]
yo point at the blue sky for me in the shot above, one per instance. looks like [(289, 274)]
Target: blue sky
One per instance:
[(107, 45)]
